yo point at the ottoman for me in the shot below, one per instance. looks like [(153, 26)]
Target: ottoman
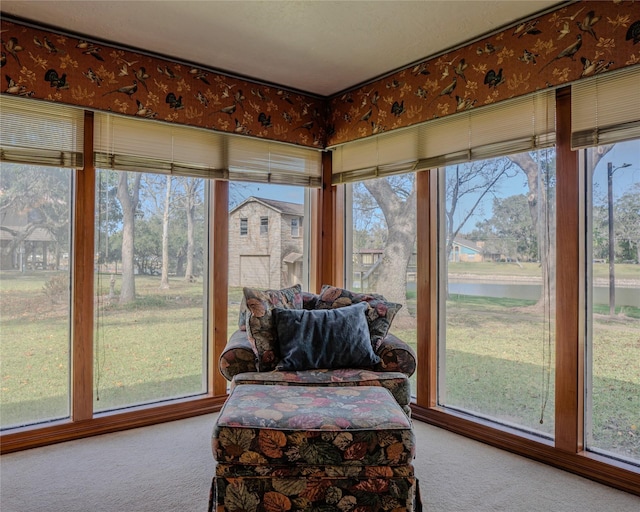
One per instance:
[(304, 448), (396, 382)]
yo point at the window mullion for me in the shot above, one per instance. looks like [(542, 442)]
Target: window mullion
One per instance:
[(83, 278), (569, 407)]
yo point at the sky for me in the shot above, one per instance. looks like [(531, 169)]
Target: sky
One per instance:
[(266, 191), (624, 178)]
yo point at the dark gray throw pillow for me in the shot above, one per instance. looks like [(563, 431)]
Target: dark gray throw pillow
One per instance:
[(324, 338)]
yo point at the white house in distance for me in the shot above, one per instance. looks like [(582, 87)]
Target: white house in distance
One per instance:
[(266, 243)]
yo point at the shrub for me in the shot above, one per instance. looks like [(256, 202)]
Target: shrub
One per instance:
[(57, 288)]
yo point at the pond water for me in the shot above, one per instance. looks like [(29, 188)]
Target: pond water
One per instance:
[(624, 296)]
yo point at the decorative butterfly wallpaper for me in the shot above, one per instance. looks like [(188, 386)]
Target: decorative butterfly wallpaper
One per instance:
[(576, 41)]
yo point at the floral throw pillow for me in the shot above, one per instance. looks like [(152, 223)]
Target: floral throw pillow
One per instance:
[(308, 302), (380, 313), (260, 322)]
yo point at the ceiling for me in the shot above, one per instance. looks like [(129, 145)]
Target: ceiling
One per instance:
[(316, 46)]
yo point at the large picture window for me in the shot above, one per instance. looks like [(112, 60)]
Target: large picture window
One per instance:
[(496, 292), (150, 340), (35, 280), (41, 146), (613, 299), (381, 246)]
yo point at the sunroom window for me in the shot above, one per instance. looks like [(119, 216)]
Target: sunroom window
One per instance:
[(41, 146), (496, 292), (606, 130), (613, 300)]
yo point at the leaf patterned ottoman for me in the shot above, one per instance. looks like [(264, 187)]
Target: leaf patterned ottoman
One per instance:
[(304, 448)]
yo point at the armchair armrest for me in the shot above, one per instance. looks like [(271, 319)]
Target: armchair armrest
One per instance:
[(395, 356), (237, 356)]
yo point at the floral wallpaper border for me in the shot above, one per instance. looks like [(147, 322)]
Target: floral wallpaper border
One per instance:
[(54, 67), (578, 40)]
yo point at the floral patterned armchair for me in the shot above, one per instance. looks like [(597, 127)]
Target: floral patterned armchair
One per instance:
[(253, 354)]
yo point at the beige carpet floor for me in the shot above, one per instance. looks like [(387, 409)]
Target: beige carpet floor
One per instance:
[(168, 467)]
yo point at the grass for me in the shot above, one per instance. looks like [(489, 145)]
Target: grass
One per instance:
[(496, 367), (600, 270), (151, 350)]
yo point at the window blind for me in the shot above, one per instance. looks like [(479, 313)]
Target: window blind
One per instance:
[(508, 127), (272, 162), (131, 144), (40, 133), (606, 108)]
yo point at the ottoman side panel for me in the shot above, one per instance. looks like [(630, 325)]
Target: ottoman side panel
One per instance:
[(285, 425), (266, 493)]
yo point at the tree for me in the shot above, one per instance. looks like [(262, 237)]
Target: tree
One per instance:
[(465, 190), (190, 201), (164, 279), (540, 176), (148, 244), (627, 214), (41, 194), (128, 194), (108, 218), (369, 229), (509, 231), (396, 198)]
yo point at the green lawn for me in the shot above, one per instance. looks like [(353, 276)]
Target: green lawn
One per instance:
[(152, 349), (600, 270)]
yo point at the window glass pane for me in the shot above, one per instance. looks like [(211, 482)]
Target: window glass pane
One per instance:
[(151, 261), (35, 279), (383, 260), (496, 261), (613, 297), (270, 256)]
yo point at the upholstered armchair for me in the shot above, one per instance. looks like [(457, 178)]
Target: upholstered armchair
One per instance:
[(279, 330)]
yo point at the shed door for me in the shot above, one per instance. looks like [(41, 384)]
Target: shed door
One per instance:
[(254, 271)]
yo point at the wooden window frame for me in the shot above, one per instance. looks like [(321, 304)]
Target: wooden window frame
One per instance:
[(327, 261), (83, 422), (566, 451)]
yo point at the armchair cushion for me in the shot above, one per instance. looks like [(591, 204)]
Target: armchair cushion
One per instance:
[(380, 313), (329, 338), (260, 322)]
